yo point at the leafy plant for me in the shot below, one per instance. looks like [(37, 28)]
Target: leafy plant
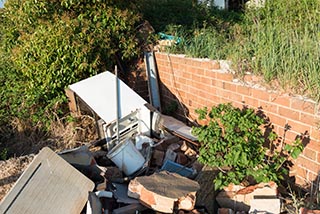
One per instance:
[(233, 141), (47, 45)]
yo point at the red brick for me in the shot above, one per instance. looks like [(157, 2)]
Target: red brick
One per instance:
[(309, 164), (268, 107), (314, 145), (276, 119), (177, 73), (237, 104), (181, 80), (301, 181), (224, 76), (289, 113), (243, 90), (235, 97), (210, 65), (230, 86), (206, 80), (199, 71), (203, 94), (186, 75), (196, 63), (299, 127), (175, 65), (283, 100), (196, 78), (312, 176), (183, 87), (251, 102), (301, 171), (315, 133), (226, 94), (290, 136), (308, 118), (260, 94), (302, 105), (210, 74), (309, 153), (159, 56), (217, 83)]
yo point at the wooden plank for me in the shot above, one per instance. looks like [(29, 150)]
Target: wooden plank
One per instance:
[(73, 105), (49, 185), (179, 129)]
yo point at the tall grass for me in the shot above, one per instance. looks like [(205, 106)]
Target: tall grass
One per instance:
[(282, 41)]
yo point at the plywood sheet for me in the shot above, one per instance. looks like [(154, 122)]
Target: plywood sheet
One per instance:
[(49, 185)]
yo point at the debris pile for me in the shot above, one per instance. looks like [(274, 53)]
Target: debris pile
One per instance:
[(137, 165), (144, 162)]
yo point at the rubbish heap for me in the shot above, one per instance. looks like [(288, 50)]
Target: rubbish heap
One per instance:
[(144, 162)]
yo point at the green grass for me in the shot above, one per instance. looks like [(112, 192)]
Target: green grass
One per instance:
[(280, 41)]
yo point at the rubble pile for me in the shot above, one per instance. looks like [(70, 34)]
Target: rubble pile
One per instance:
[(143, 162)]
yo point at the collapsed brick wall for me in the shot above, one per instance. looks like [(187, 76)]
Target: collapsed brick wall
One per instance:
[(195, 83)]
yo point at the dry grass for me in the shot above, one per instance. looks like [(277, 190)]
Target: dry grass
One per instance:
[(10, 171), (23, 141)]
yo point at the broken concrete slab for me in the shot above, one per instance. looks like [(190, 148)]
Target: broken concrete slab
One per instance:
[(238, 198), (160, 191), (51, 179), (265, 205)]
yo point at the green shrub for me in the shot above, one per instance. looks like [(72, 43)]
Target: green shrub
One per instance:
[(233, 142), (161, 13), (51, 44)]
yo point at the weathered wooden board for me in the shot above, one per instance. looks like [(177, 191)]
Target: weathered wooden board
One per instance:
[(49, 185), (178, 128)]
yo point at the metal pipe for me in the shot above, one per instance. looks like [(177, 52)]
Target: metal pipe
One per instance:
[(117, 100)]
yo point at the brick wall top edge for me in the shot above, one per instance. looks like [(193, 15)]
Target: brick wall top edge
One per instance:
[(191, 58)]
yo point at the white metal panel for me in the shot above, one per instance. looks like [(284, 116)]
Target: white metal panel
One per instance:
[(99, 92)]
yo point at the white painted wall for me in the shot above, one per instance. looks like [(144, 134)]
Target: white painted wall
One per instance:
[(222, 4), (2, 3)]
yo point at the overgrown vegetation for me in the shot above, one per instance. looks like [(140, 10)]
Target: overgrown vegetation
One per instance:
[(233, 140), (47, 45), (279, 40)]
